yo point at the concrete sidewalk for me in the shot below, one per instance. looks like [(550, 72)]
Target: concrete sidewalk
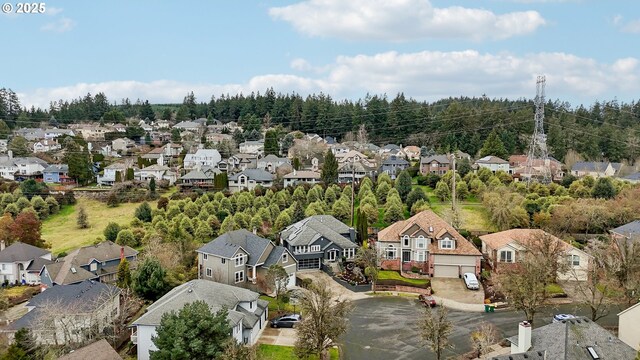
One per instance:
[(456, 305)]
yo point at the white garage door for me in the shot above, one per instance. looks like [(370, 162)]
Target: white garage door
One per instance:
[(468, 269), (449, 271), (292, 281)]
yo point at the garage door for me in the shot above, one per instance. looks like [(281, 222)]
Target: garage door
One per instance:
[(304, 264), (450, 271), (468, 269)]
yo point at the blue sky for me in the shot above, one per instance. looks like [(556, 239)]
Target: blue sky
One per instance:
[(160, 50)]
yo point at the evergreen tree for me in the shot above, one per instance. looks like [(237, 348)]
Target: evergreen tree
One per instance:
[(152, 186), (83, 219), (393, 213), (298, 212), (146, 112), (149, 280), (363, 227), (329, 173), (127, 238), (416, 194), (271, 146), (111, 231), (143, 212), (493, 146), (19, 146), (403, 184), (166, 114), (604, 189), (124, 275), (24, 347)]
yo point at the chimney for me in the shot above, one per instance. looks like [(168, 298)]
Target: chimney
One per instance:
[(10, 153), (2, 245), (295, 172), (524, 337), (121, 253), (255, 231)]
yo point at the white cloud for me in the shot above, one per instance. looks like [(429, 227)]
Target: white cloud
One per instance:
[(427, 75), (402, 20), (53, 11), (61, 25), (631, 26)]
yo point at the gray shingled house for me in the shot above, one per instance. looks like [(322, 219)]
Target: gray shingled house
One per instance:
[(239, 256), (247, 313), (318, 239), (393, 165), (22, 263)]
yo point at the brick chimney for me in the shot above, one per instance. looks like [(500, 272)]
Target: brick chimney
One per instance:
[(121, 253), (524, 337)]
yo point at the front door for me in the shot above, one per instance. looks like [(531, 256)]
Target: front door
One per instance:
[(406, 255), (332, 255)]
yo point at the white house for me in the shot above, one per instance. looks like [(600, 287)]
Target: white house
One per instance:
[(122, 144), (247, 314), (272, 162), (252, 147), (22, 263), (55, 132), (109, 176), (249, 179), (494, 164), (594, 169), (158, 172), (304, 176), (202, 157), (628, 321), (45, 146), (187, 126), (29, 166)]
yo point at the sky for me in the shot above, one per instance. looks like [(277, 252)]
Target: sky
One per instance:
[(427, 49)]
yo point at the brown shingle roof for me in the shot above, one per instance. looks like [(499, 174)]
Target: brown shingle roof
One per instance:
[(425, 220), (521, 236), (99, 350)]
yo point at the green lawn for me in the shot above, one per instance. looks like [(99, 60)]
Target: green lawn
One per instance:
[(394, 275), (554, 289), (62, 233), (15, 291), (276, 352), (273, 305)]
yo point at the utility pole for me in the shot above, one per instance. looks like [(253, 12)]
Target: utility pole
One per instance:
[(538, 148), (353, 188), (453, 183)]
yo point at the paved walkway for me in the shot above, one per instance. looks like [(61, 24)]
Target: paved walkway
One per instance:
[(282, 337)]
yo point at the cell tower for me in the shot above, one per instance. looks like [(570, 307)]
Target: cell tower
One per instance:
[(538, 156)]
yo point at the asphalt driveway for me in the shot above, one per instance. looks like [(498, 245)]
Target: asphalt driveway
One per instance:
[(454, 289)]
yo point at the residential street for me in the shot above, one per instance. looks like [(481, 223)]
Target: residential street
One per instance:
[(386, 328)]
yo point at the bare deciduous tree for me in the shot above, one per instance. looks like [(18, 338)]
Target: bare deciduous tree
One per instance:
[(368, 257), (524, 286), (435, 329), (483, 337), (325, 320)]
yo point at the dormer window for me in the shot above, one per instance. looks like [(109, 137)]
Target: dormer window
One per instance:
[(240, 259), (446, 243)]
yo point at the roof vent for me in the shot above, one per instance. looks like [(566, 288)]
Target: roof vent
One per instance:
[(593, 353), (73, 270), (430, 228)]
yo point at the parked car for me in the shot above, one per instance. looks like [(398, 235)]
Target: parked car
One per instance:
[(471, 281), (427, 300), (286, 321), (561, 317)]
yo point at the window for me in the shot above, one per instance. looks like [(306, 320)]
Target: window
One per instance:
[(314, 248), (209, 272), (285, 257), (421, 242), (4, 266), (240, 258), (420, 256), (224, 260), (239, 276), (93, 267), (205, 257), (349, 253), (574, 260), (391, 252), (506, 256), (446, 243), (405, 241)]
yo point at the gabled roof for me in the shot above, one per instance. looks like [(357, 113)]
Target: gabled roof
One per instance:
[(569, 339), (30, 160), (523, 237), (632, 177), (491, 160), (19, 251), (55, 168), (425, 220), (216, 295), (391, 147), (84, 297), (590, 166), (156, 167), (358, 166), (254, 174), (99, 350), (186, 124), (303, 174), (62, 273), (307, 231), (628, 230), (394, 160), (228, 244), (442, 159), (275, 255), (200, 175)]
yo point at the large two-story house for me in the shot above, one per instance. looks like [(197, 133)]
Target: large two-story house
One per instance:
[(425, 241), (202, 157), (318, 239), (247, 314), (249, 179), (435, 164), (93, 262), (508, 247), (21, 263), (393, 165), (239, 256)]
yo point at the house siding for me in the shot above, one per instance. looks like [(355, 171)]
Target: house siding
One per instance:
[(628, 327)]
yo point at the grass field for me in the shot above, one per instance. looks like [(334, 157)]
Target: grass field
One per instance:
[(276, 352), (61, 230), (394, 275)]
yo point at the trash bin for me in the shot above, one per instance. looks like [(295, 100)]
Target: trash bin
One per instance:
[(486, 308), (492, 308)]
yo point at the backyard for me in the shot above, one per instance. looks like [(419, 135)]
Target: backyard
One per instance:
[(61, 230)]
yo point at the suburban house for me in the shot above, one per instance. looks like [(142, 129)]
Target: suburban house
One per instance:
[(339, 149), (109, 176), (633, 178), (99, 350), (412, 152), (31, 134), (247, 314), (57, 174), (188, 126), (518, 164), (200, 176), (70, 314), (272, 162), (318, 239), (56, 133), (628, 321), (425, 241), (158, 172), (202, 157), (216, 138), (249, 179), (494, 164), (29, 167), (154, 154), (304, 176), (391, 149), (509, 247), (240, 256), (255, 147), (572, 339), (92, 132), (92, 262), (21, 263), (3, 145), (242, 162), (46, 146), (355, 156), (350, 172), (123, 144), (393, 165), (435, 164), (172, 149), (594, 169)]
